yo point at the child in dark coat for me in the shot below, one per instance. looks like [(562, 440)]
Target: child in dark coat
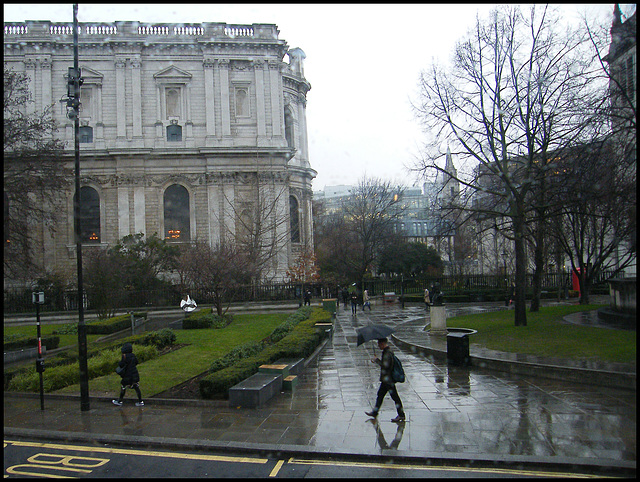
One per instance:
[(129, 374)]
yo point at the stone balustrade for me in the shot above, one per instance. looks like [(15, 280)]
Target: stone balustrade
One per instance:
[(47, 29)]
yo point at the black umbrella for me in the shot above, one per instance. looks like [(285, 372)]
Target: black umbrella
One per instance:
[(372, 332)]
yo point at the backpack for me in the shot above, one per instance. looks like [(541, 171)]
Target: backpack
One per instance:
[(397, 372)]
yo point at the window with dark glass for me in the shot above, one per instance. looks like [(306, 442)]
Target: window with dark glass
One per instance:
[(294, 219), (176, 213), (174, 133), (89, 215), (85, 134)]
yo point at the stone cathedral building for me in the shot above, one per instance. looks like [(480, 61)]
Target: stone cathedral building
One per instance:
[(194, 132)]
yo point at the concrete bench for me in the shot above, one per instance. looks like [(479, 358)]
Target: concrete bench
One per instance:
[(275, 368), (289, 383), (256, 390), (296, 365)]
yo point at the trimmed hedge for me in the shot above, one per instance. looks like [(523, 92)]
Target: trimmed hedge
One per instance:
[(299, 341), (112, 325), (62, 376), (50, 341)]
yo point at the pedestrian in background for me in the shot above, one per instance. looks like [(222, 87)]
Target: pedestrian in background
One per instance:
[(365, 300), (427, 300), (387, 385), (354, 302), (129, 373), (307, 298), (345, 297)]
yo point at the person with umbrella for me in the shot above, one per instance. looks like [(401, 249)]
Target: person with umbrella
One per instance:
[(387, 385)]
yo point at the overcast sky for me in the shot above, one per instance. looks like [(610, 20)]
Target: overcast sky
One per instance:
[(363, 63)]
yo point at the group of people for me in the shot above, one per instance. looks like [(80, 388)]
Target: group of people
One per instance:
[(351, 295)]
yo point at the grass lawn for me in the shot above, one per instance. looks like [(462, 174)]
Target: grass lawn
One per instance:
[(546, 335), (204, 346)]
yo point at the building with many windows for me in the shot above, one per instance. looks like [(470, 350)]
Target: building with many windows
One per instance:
[(194, 132)]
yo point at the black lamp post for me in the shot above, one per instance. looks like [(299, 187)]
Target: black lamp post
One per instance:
[(73, 104)]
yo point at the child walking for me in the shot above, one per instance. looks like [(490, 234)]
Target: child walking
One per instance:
[(129, 374)]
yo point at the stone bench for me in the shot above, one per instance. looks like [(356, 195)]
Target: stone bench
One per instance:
[(256, 390), (296, 365), (289, 383), (275, 368)]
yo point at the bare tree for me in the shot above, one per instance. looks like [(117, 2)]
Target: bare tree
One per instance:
[(371, 216), (220, 270), (520, 88), (261, 221), (35, 172)]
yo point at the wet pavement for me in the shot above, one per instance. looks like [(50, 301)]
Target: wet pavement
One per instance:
[(469, 414)]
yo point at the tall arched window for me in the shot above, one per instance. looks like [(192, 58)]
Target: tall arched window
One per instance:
[(176, 214), (89, 215), (294, 219), (288, 127)]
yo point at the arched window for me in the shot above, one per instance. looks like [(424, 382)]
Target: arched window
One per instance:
[(288, 127), (242, 109), (89, 215), (294, 219), (176, 214), (174, 133)]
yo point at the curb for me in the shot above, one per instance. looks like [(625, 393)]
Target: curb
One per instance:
[(330, 453), (619, 380)]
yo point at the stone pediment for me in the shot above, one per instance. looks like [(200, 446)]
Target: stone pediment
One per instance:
[(91, 76), (172, 75)]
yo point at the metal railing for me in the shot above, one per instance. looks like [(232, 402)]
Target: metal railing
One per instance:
[(19, 301)]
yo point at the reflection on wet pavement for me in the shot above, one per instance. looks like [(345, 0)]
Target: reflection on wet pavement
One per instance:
[(459, 410)]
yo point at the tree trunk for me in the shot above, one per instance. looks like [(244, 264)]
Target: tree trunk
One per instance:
[(521, 270)]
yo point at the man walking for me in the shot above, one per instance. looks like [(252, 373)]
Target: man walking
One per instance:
[(387, 385)]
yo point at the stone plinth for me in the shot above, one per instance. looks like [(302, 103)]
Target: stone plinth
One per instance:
[(438, 320)]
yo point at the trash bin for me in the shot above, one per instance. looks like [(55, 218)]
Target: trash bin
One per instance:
[(330, 305), (458, 349)]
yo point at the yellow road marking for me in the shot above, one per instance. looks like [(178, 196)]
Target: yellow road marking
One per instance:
[(149, 453), (422, 467), (277, 468)]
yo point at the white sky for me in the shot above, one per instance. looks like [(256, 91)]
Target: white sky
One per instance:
[(363, 63)]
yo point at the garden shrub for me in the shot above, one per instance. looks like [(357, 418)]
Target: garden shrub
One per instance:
[(160, 339), (206, 318)]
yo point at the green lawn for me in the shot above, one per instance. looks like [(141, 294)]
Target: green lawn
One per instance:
[(546, 335), (204, 346)]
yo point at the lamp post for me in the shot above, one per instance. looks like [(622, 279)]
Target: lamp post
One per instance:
[(38, 299), (73, 104)]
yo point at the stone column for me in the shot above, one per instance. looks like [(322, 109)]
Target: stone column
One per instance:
[(277, 110), (260, 103), (210, 117), (136, 87), (139, 220), (30, 70), (225, 104), (121, 113), (123, 210)]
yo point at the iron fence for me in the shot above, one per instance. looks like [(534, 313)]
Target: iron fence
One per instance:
[(18, 301)]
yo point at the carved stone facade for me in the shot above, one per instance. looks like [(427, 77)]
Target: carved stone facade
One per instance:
[(183, 129)]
